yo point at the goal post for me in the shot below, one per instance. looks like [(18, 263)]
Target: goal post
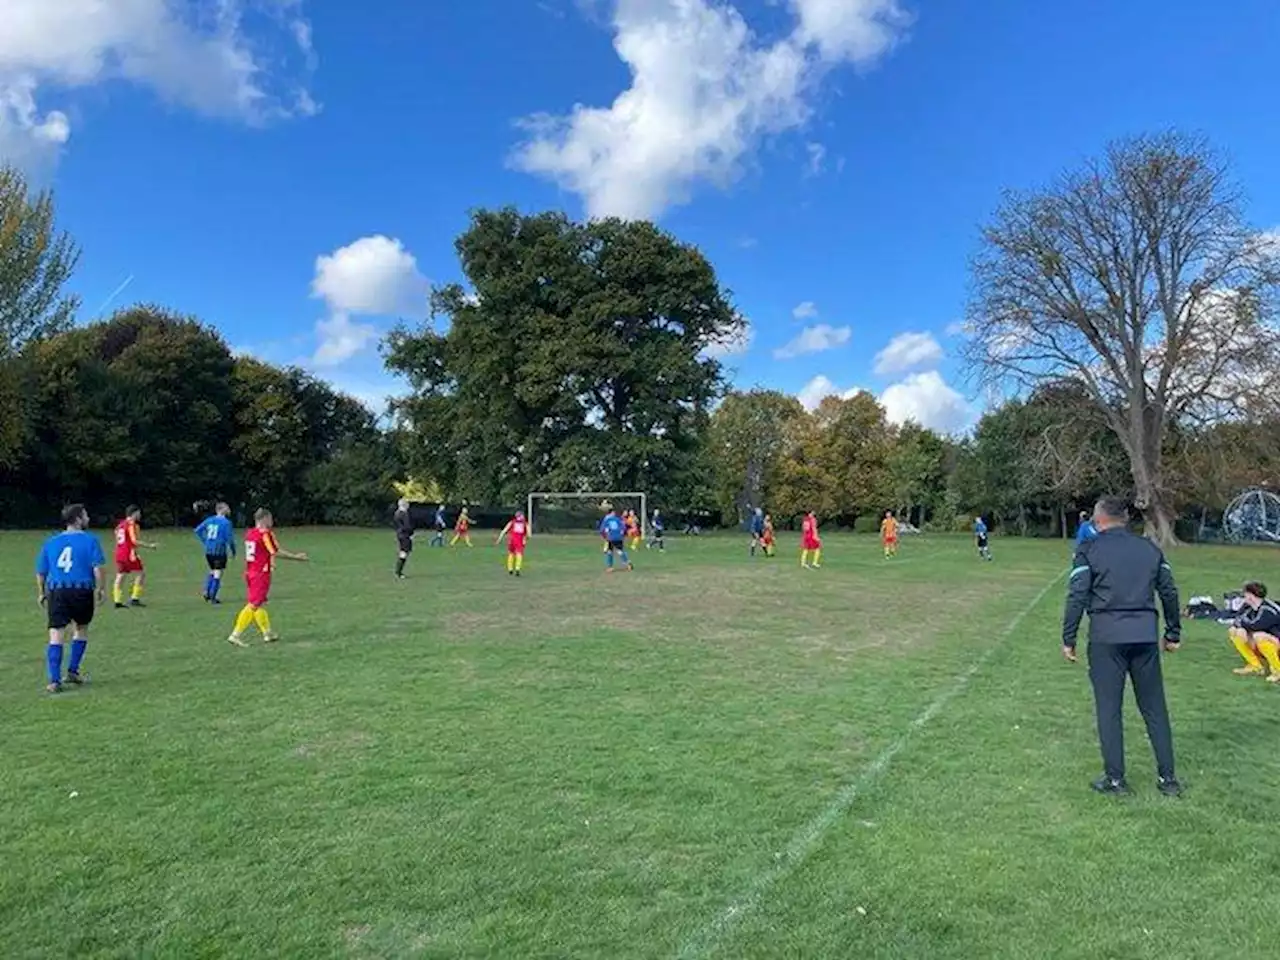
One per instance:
[(571, 510)]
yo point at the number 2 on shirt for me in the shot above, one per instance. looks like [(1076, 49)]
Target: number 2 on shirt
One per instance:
[(250, 549)]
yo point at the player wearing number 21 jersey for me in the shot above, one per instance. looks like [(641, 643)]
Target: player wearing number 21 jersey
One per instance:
[(68, 576), (260, 552)]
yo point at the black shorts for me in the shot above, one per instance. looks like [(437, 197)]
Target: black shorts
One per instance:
[(617, 545), (68, 606), (216, 561), (405, 544), (982, 543)]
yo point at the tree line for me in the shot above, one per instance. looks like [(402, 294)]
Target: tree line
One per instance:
[(1123, 320)]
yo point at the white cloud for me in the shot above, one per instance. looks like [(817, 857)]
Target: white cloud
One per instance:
[(814, 340), (374, 276), (805, 311), (735, 346), (242, 59), (704, 91), (957, 328), (928, 400), (817, 157), (341, 338), (908, 351), (821, 387)]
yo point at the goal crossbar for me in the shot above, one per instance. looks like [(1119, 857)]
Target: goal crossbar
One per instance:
[(597, 496)]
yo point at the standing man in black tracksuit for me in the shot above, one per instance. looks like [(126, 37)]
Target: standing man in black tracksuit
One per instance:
[(1116, 578), (403, 523)]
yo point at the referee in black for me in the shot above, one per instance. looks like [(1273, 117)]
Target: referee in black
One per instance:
[(403, 523), (1116, 578)]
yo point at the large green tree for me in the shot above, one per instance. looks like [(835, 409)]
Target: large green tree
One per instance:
[(750, 435), (36, 260), (576, 360)]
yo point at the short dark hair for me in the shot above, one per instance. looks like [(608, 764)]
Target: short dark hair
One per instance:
[(1259, 590), (131, 509), (72, 512), (1117, 508)]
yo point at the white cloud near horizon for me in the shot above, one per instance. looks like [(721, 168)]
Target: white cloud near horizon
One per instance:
[(705, 90), (908, 351), (927, 399), (816, 339), (246, 60), (373, 276), (821, 387), (923, 398)]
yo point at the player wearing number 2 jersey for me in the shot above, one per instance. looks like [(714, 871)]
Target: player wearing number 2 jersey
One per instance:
[(517, 533), (260, 551), (68, 576)]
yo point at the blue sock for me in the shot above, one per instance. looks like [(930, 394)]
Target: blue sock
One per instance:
[(214, 584), (54, 655), (625, 558), (77, 654), (608, 559)]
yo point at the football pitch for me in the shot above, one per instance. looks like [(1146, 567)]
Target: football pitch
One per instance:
[(709, 757)]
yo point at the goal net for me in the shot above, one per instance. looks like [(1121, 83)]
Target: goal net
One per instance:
[(551, 512)]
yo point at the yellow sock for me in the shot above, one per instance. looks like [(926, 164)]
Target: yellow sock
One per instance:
[(1271, 650), (136, 593), (263, 621), (804, 558), (817, 558), (1246, 651), (511, 562), (519, 562), (244, 619), (117, 593)]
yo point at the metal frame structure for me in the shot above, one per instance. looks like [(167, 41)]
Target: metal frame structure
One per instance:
[(606, 495)]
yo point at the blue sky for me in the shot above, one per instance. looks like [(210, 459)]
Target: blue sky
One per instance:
[(295, 171)]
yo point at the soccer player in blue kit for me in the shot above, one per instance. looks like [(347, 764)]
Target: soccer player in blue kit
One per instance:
[(981, 534), (614, 531), (69, 578), (219, 540)]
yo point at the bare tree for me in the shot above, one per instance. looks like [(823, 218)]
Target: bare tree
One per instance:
[(1137, 277)]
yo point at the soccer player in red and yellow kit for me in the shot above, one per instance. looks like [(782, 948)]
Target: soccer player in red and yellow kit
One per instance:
[(127, 560), (517, 533), (633, 528), (462, 529), (889, 534), (260, 552), (810, 542), (767, 536)]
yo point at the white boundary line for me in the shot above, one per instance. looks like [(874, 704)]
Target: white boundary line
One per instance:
[(807, 839)]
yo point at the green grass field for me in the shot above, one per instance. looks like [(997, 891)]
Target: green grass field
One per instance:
[(711, 757)]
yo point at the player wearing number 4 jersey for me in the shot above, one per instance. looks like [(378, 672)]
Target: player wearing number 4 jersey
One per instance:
[(69, 577), (260, 552)]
